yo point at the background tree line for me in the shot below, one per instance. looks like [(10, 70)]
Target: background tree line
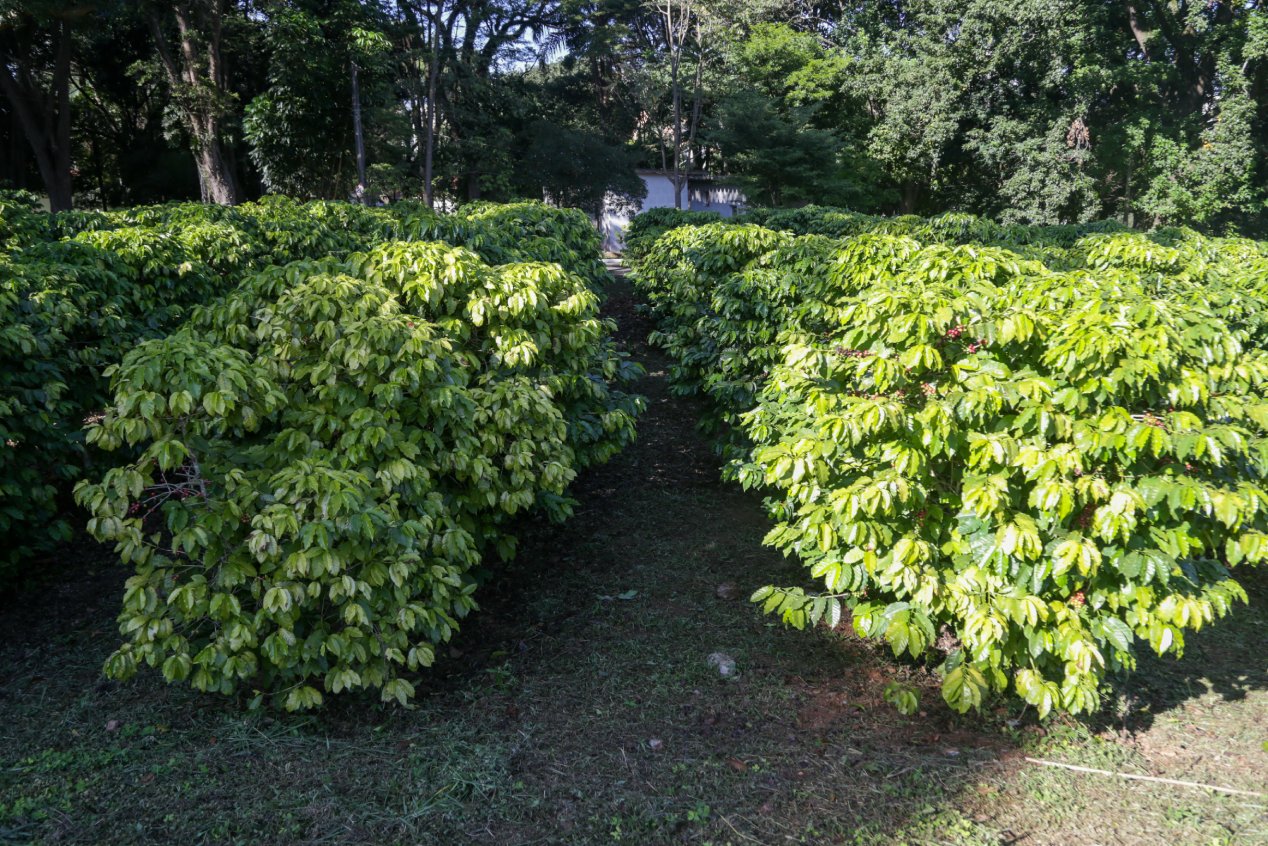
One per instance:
[(1045, 111)]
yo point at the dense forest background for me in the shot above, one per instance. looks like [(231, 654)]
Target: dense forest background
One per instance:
[(1042, 111)]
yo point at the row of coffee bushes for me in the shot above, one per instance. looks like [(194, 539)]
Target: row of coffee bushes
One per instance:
[(69, 308), (1010, 470), (328, 452), (80, 289), (1177, 250), (951, 228), (646, 228)]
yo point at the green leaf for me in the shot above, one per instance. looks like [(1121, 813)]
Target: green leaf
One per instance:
[(964, 688)]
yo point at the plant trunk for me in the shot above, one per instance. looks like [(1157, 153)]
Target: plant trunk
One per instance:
[(60, 188), (674, 43), (1138, 31), (697, 101), (429, 147), (215, 178), (676, 178), (199, 65), (359, 136), (1127, 193), (45, 121), (910, 192)]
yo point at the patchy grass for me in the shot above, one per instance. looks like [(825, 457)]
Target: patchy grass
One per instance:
[(1201, 719), (578, 707)]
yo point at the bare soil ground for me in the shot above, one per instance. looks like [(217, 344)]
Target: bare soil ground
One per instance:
[(578, 707)]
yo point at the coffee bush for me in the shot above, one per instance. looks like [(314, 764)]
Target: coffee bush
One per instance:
[(328, 453), (80, 289), (1013, 469)]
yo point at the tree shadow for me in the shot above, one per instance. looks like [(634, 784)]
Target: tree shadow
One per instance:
[(1228, 658)]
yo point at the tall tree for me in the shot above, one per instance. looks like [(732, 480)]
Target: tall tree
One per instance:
[(680, 25), (1056, 110), (570, 149), (1153, 111), (187, 34), (36, 48), (1196, 139), (785, 127), (329, 73), (473, 40)]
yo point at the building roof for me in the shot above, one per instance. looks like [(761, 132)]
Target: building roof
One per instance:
[(689, 174), (698, 175)]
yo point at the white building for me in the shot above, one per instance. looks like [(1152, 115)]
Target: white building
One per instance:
[(701, 192)]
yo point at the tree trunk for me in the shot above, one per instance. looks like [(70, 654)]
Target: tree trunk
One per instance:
[(677, 178), (673, 41), (199, 69), (1138, 30), (910, 192), (1196, 69), (697, 102), (1127, 194), (60, 189), (429, 147), (61, 134), (45, 120), (358, 135), (215, 177)]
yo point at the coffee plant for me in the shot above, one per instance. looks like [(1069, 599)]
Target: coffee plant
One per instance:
[(1013, 464), (82, 288), (21, 221), (69, 309), (644, 230), (329, 452)]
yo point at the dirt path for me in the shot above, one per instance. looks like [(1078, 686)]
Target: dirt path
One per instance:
[(627, 730), (579, 707)]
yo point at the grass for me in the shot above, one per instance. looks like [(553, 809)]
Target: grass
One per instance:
[(578, 707)]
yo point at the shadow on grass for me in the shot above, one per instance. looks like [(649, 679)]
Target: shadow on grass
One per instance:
[(1229, 658)]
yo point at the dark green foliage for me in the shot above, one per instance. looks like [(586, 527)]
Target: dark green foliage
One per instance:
[(21, 221), (70, 309), (1026, 111), (786, 125), (299, 128), (576, 166), (533, 231)]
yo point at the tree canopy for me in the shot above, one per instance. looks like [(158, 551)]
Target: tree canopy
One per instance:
[(1041, 111)]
